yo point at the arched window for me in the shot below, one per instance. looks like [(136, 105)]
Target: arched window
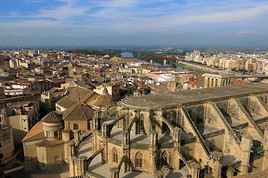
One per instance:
[(165, 158), (138, 159), (216, 82), (56, 134), (140, 125), (212, 82), (115, 155), (226, 82)]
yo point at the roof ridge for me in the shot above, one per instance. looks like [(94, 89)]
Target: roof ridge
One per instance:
[(30, 134), (48, 114), (87, 96), (69, 110), (84, 112), (56, 115)]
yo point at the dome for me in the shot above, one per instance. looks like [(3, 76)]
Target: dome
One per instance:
[(52, 117)]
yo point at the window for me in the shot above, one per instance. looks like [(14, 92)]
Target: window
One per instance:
[(56, 135), (165, 158), (76, 126), (212, 82), (115, 155), (47, 133), (58, 108), (88, 125), (1, 156), (138, 159)]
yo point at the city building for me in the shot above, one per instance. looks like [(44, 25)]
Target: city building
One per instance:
[(7, 148), (43, 145), (106, 116), (22, 117), (195, 133), (49, 99), (217, 80)]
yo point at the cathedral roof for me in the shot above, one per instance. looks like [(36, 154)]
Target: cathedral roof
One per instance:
[(36, 133), (79, 112), (78, 94), (104, 101), (98, 100), (52, 117)]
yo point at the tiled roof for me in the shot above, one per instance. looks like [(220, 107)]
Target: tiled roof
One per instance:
[(78, 94), (100, 100), (36, 133), (66, 102), (79, 112), (52, 117), (90, 101), (104, 101)]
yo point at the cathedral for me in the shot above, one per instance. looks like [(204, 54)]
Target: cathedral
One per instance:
[(214, 132)]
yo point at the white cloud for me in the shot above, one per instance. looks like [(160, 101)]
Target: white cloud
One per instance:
[(65, 11), (126, 21), (132, 16), (115, 3), (62, 12)]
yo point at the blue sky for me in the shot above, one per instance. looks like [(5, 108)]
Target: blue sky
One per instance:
[(196, 23)]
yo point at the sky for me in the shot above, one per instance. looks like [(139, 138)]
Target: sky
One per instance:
[(182, 23)]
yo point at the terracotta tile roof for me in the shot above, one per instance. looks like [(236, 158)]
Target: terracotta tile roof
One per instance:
[(36, 133), (79, 112), (52, 117), (80, 93), (100, 100), (66, 102), (92, 99), (77, 94), (104, 101)]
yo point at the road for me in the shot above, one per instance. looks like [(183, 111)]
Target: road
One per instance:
[(205, 68), (216, 70)]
